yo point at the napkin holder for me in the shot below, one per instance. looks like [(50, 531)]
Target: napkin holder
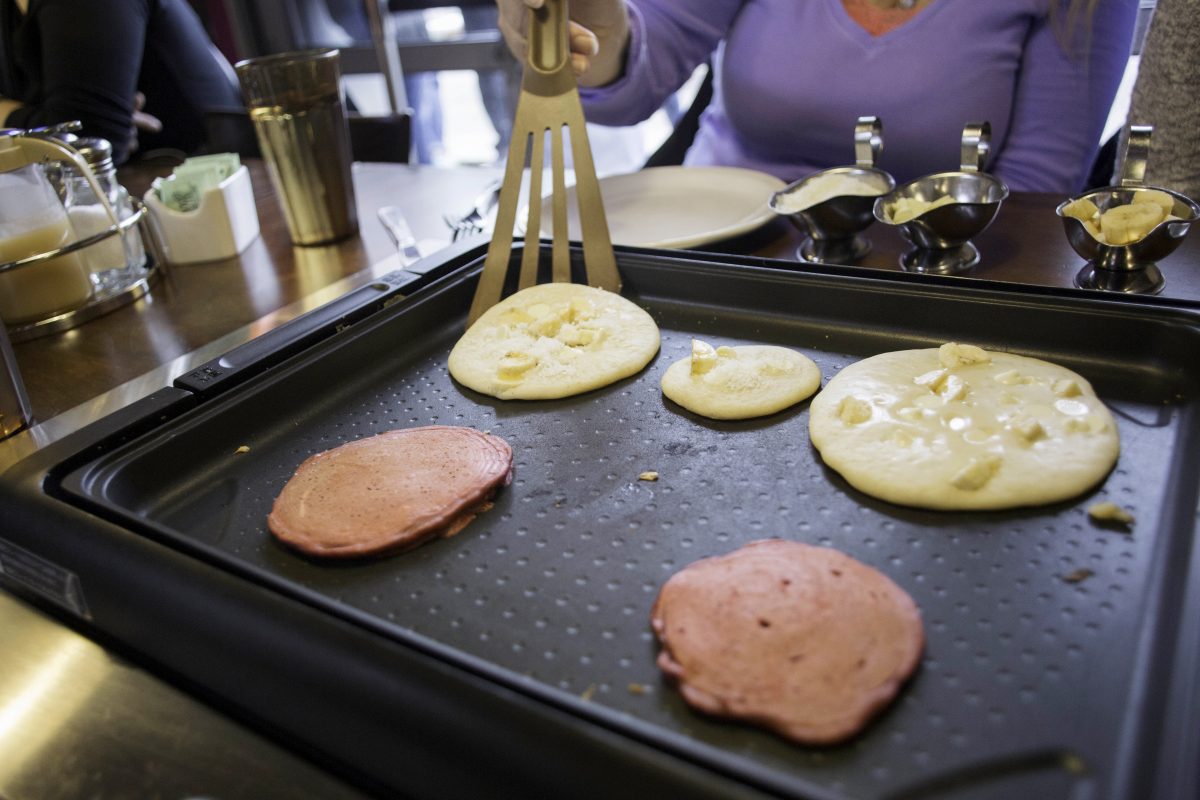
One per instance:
[(222, 226)]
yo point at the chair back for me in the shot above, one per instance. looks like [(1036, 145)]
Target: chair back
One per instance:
[(376, 138)]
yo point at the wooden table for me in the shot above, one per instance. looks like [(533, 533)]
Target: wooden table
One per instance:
[(197, 306)]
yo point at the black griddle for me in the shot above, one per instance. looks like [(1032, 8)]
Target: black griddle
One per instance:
[(1063, 657)]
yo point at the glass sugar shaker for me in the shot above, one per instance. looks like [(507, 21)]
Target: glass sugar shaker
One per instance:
[(117, 260)]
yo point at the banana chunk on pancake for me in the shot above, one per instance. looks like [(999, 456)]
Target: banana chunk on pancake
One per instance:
[(554, 340), (802, 640), (390, 492), (740, 382), (959, 427)]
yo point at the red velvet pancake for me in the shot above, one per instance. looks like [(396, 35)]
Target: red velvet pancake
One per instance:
[(390, 492), (802, 640)]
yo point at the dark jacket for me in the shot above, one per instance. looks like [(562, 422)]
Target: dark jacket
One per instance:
[(84, 59)]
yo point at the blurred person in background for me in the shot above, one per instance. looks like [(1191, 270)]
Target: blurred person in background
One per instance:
[(139, 73), (1165, 95), (792, 78)]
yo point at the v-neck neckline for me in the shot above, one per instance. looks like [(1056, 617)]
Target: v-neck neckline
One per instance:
[(864, 37)]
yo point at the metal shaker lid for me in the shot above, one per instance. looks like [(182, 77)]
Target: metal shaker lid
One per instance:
[(96, 151)]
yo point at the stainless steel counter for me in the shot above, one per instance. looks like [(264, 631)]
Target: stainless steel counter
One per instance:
[(78, 721)]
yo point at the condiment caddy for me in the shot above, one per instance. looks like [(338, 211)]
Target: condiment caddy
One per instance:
[(73, 244)]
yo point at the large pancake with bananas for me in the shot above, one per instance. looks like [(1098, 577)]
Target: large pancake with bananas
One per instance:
[(554, 340), (390, 492), (959, 427), (802, 640)]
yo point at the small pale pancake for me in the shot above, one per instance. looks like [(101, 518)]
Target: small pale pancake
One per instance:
[(740, 382), (390, 492), (958, 427), (802, 640), (554, 340)]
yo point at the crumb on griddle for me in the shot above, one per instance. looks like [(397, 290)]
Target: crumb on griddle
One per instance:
[(587, 694), (638, 688), (648, 475), (243, 449), (1073, 764), (1109, 514), (1078, 575)]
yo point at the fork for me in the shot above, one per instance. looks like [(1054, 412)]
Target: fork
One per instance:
[(548, 103), (471, 222)]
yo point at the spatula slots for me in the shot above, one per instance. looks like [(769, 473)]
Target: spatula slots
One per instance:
[(547, 107)]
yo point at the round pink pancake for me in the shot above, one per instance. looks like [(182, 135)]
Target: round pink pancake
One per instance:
[(802, 640), (390, 492)]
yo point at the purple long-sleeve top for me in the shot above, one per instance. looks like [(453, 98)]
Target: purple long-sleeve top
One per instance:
[(793, 76)]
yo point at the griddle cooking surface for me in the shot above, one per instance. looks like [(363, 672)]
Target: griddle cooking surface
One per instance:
[(1029, 679)]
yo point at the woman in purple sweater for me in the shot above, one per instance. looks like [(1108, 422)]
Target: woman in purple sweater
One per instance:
[(792, 77)]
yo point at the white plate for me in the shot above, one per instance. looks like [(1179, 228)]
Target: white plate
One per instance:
[(675, 207)]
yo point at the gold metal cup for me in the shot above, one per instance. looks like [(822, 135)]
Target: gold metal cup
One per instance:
[(295, 101)]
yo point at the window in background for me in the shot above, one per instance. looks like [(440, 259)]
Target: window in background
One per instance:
[(465, 116)]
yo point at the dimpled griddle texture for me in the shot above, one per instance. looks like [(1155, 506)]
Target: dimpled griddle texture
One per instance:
[(390, 492), (802, 640), (959, 427)]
